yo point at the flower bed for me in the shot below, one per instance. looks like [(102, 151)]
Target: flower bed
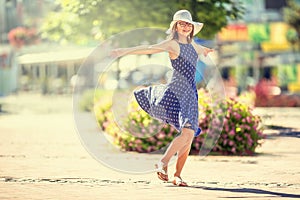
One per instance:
[(238, 130), (241, 132)]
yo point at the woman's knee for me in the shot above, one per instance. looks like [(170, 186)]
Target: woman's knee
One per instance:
[(188, 134)]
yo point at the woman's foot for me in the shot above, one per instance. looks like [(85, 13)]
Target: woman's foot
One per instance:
[(179, 182), (162, 172)]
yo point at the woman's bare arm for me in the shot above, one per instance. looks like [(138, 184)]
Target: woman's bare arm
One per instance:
[(202, 49), (164, 46)]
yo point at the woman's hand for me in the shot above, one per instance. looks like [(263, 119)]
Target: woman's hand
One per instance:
[(207, 51)]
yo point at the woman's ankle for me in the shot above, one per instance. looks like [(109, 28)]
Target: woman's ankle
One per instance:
[(164, 163)]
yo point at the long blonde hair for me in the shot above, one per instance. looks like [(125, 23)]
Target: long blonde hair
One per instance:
[(174, 34)]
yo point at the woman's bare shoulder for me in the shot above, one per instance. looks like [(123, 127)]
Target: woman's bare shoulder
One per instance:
[(168, 45), (173, 45)]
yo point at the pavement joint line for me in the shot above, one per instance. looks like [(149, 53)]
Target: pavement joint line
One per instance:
[(141, 182)]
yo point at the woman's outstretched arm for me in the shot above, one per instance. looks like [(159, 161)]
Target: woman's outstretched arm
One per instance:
[(202, 49), (164, 46)]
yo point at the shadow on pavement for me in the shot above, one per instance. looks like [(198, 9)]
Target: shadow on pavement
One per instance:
[(248, 190), (283, 132), (292, 133)]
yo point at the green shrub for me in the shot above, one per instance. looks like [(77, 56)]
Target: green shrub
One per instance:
[(139, 132), (240, 134)]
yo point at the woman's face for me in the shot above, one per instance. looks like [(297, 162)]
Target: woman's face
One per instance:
[(184, 28)]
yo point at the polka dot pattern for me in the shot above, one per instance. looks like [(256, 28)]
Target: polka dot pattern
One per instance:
[(175, 103)]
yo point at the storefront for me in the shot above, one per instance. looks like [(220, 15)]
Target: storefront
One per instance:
[(251, 52)]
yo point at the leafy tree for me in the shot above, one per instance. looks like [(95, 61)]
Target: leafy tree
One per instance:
[(85, 21), (215, 14), (292, 17)]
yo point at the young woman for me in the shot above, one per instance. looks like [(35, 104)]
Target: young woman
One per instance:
[(175, 103)]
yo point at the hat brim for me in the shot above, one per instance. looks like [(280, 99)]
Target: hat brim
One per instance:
[(197, 26)]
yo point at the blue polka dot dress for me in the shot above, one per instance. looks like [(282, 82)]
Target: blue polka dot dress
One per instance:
[(175, 103)]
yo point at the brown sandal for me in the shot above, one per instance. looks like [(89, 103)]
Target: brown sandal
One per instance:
[(179, 182), (161, 171)]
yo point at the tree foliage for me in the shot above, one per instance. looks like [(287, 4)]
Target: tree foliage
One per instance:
[(292, 17), (84, 21)]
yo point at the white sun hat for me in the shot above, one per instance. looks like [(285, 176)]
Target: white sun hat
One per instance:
[(184, 15)]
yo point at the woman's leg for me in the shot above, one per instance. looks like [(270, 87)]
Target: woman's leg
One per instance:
[(182, 156), (183, 141)]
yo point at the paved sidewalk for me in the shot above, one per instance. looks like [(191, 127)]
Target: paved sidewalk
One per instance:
[(41, 157)]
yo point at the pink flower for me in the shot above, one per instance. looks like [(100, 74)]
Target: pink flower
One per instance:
[(260, 133), (239, 138), (197, 145), (170, 134), (225, 121), (161, 135), (149, 149), (151, 129), (138, 141), (139, 149), (232, 132), (151, 139), (233, 150), (226, 127), (248, 119), (224, 136), (231, 143), (250, 142), (237, 116), (159, 143)]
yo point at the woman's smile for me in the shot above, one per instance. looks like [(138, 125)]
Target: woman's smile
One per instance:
[(184, 28)]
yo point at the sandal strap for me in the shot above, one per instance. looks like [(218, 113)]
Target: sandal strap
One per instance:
[(160, 168), (178, 181)]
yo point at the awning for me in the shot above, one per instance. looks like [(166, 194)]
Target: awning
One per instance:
[(54, 57)]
